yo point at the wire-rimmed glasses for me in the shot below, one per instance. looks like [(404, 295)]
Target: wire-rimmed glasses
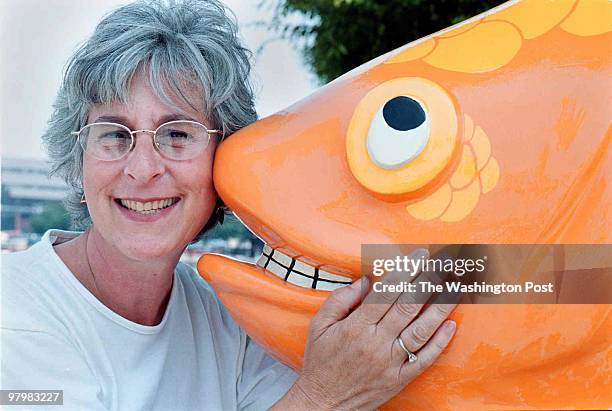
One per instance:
[(175, 140)]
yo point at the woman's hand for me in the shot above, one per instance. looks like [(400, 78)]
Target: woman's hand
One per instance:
[(353, 359)]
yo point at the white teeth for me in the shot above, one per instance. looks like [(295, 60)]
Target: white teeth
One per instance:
[(299, 273), (149, 207)]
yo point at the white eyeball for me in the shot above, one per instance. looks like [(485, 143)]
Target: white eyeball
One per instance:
[(398, 133)]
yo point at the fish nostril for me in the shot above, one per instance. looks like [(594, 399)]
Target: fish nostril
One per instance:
[(403, 113)]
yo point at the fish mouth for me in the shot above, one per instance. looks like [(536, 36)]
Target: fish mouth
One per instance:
[(298, 272)]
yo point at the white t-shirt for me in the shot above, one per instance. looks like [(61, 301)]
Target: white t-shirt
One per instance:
[(56, 335)]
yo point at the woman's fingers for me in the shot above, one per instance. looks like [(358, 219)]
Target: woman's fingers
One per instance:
[(429, 353), (409, 304), (339, 305), (377, 304), (418, 332)]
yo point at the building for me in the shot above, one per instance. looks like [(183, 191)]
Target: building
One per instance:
[(26, 189)]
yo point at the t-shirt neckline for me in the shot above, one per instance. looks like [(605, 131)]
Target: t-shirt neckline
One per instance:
[(48, 240)]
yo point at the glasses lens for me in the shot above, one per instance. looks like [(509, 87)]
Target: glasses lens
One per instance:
[(182, 140), (105, 141)]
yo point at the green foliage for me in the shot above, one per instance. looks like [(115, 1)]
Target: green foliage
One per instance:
[(339, 35), (54, 215)]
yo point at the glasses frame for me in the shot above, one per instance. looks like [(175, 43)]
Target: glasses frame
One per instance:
[(77, 134)]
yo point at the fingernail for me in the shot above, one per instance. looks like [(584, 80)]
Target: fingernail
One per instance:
[(362, 282), (365, 282), (421, 252), (450, 325)]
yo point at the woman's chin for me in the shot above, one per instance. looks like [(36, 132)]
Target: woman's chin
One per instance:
[(149, 247)]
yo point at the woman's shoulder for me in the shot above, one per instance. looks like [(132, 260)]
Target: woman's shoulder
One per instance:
[(195, 287), (34, 263), (20, 265), (189, 278), (201, 296), (30, 284), (21, 260)]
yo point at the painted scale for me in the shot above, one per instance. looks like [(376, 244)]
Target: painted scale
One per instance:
[(496, 130)]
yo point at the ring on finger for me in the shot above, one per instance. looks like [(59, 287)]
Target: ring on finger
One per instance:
[(412, 357)]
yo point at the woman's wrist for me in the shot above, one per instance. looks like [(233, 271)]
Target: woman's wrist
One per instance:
[(303, 396)]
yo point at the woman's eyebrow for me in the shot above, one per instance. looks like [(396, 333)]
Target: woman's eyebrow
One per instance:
[(174, 117), (124, 121), (112, 119)]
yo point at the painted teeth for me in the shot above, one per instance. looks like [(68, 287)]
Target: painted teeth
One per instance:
[(149, 207), (299, 273)]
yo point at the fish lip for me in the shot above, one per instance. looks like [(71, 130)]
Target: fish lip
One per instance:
[(267, 250), (298, 272)]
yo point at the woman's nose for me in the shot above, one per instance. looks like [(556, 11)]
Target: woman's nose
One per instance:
[(144, 163)]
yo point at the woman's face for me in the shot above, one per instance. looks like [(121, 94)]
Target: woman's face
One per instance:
[(144, 176)]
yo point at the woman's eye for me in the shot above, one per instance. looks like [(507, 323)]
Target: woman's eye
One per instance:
[(115, 137), (398, 132), (174, 138), (180, 135), (171, 136)]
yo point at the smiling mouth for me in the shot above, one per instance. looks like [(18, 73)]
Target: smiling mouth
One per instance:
[(299, 273), (149, 207)]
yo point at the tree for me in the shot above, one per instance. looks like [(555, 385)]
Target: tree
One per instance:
[(338, 35), (54, 215)]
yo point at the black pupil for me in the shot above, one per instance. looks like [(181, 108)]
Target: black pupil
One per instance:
[(403, 113), (177, 134)]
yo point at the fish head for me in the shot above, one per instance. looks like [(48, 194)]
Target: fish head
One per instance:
[(454, 138)]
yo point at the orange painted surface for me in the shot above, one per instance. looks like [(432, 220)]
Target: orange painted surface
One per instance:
[(518, 152)]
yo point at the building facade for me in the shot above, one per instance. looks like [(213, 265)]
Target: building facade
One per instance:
[(26, 189)]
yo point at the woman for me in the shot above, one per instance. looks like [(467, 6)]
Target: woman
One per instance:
[(109, 315)]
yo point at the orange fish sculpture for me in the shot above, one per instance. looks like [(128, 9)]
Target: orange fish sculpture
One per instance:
[(496, 130)]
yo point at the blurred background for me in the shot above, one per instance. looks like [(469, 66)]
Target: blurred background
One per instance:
[(298, 45)]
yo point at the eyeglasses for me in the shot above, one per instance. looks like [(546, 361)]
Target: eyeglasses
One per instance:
[(175, 140)]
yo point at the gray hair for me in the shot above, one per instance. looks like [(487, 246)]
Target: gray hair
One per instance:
[(178, 44)]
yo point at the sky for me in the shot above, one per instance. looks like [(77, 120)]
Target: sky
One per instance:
[(38, 37)]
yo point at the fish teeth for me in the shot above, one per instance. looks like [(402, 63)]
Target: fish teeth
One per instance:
[(299, 273)]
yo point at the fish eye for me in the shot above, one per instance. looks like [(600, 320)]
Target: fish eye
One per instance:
[(402, 135), (398, 133)]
